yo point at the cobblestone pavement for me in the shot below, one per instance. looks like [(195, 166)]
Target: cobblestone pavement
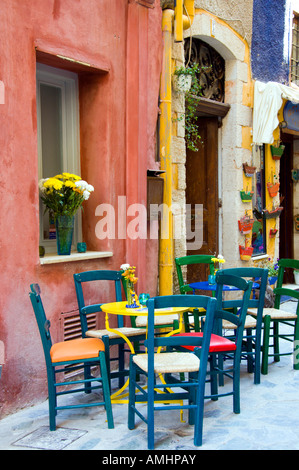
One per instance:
[(269, 420)]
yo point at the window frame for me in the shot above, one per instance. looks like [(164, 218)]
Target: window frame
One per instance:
[(68, 83)]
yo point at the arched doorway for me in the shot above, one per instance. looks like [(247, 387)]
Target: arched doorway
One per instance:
[(202, 165)]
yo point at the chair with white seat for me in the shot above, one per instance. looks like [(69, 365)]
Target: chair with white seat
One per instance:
[(109, 338), (275, 317), (251, 344), (153, 364)]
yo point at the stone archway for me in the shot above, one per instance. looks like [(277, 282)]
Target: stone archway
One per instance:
[(234, 135)]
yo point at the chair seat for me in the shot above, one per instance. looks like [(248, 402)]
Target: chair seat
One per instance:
[(141, 321), (217, 343), (249, 323), (169, 362), (76, 349), (274, 313), (125, 331)]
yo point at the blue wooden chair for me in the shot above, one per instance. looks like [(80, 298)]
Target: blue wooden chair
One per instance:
[(274, 318), (222, 347), (153, 363), (251, 343), (192, 318), (109, 338), (67, 356)]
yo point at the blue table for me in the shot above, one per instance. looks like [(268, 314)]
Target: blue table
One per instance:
[(204, 285)]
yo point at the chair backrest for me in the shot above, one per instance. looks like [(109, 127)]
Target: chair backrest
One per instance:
[(242, 304), (90, 276), (196, 301), (42, 322), (260, 275), (280, 291), (192, 259)]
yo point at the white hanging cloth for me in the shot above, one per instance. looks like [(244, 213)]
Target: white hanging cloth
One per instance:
[(268, 99)]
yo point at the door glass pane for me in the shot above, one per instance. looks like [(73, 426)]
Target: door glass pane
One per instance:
[(51, 140)]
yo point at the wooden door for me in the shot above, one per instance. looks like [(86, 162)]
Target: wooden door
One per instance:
[(202, 188)]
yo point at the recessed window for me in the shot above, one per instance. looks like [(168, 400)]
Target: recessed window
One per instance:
[(295, 51), (58, 138)]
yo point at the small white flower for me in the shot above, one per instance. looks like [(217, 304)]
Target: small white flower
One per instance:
[(90, 188), (86, 195), (124, 267)]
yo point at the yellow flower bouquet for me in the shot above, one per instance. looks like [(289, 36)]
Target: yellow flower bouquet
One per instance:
[(130, 280), (62, 196)]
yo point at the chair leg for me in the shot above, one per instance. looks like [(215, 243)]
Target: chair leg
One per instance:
[(296, 344), (249, 350), (198, 428), (236, 386), (52, 400), (87, 375), (106, 390), (150, 413), (121, 364), (132, 379), (257, 357), (213, 377), (265, 355), (276, 341), (105, 340)]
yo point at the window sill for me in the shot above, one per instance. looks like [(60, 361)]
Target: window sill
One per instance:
[(259, 257), (75, 256)]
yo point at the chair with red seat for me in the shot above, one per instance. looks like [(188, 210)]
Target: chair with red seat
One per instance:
[(68, 356), (222, 347)]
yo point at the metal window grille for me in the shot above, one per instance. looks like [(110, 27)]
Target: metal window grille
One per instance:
[(295, 51)]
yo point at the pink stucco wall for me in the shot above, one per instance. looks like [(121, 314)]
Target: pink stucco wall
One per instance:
[(118, 112)]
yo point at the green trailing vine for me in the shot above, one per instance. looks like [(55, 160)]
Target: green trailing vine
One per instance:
[(192, 136)]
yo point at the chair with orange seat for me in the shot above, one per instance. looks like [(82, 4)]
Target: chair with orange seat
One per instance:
[(68, 356)]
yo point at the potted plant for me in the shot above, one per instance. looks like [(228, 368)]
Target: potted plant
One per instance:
[(192, 136), (272, 267), (63, 195), (248, 170), (277, 151), (182, 79), (245, 224)]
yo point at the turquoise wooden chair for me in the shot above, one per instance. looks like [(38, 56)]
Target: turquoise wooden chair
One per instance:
[(192, 323), (274, 318), (251, 343), (67, 356), (153, 364), (221, 347), (109, 338)]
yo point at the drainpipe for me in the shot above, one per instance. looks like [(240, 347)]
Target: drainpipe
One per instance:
[(181, 21), (166, 240)]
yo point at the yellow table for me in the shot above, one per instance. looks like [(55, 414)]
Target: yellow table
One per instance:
[(119, 308)]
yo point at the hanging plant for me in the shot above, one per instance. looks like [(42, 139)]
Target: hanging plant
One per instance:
[(192, 135), (249, 170), (277, 151)]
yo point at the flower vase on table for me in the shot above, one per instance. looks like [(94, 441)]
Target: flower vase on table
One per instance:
[(130, 280)]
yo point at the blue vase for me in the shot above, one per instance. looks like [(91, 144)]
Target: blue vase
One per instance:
[(64, 234)]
